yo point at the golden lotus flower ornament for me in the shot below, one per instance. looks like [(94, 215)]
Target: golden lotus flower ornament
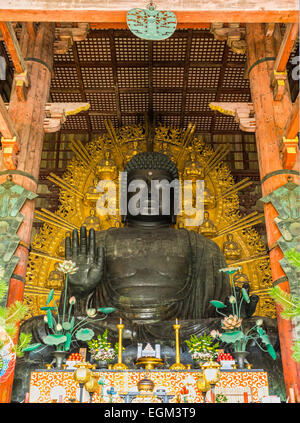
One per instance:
[(231, 322)]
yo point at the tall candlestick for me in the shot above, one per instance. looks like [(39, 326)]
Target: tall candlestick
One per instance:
[(177, 365), (119, 365)]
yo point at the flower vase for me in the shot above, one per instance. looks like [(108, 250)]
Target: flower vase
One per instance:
[(101, 364), (240, 357), (60, 357), (197, 363)]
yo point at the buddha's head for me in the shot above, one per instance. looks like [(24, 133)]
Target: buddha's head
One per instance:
[(152, 189)]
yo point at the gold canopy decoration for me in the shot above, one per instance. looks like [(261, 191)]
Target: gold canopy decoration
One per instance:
[(223, 223)]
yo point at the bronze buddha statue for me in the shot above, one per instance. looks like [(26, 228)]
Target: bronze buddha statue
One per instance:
[(148, 270)]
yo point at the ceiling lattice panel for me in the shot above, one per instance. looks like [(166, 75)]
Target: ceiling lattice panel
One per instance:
[(122, 77)]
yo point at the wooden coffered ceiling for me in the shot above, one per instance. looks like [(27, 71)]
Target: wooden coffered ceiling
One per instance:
[(122, 77)]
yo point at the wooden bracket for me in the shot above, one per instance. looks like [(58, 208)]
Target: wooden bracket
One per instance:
[(289, 152), (243, 113), (278, 84), (66, 34), (56, 114), (10, 148), (233, 34)]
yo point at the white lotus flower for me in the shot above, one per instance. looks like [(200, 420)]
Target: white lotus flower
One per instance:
[(232, 299), (45, 319), (259, 322), (67, 267), (59, 327)]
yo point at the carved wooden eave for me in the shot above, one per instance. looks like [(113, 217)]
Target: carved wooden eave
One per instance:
[(233, 34), (243, 113), (57, 113), (66, 34)]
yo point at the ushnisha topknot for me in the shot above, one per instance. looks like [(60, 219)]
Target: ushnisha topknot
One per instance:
[(152, 160)]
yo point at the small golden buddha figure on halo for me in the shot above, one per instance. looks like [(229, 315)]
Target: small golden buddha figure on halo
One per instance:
[(231, 249), (55, 278), (92, 189), (106, 168), (92, 221), (166, 150), (193, 169), (239, 278), (207, 228), (209, 199), (133, 151)]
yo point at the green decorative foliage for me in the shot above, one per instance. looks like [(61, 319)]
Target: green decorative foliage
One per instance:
[(101, 349), (66, 325), (290, 309), (106, 310), (293, 257), (84, 334), (202, 347), (64, 332), (233, 330), (50, 296), (245, 296), (54, 339), (32, 347), (232, 337), (50, 319), (10, 317), (24, 341), (218, 304)]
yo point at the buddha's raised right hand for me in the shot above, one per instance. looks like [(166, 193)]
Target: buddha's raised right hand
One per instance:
[(88, 258)]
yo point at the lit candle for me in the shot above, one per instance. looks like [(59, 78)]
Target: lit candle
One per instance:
[(120, 320), (176, 321)]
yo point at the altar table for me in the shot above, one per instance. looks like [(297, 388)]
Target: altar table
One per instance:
[(49, 385)]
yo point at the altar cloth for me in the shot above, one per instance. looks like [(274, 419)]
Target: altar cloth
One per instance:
[(49, 385)]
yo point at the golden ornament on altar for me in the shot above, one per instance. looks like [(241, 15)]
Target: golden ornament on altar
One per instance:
[(149, 363)]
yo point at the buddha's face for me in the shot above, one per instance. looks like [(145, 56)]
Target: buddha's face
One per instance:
[(150, 197), (92, 213)]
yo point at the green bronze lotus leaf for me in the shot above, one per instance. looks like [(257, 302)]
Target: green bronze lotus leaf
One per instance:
[(54, 339), (106, 310), (84, 334)]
